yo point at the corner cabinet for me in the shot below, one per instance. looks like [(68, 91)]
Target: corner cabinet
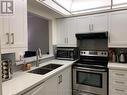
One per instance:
[(59, 84), (118, 29), (14, 28)]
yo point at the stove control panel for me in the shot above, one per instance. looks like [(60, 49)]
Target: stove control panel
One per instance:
[(94, 53)]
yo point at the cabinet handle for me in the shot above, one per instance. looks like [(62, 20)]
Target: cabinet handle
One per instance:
[(8, 38), (109, 37), (120, 74), (12, 34), (65, 40), (119, 82), (92, 27), (119, 90), (60, 79), (89, 27)]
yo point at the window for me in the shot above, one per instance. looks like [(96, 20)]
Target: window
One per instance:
[(38, 33)]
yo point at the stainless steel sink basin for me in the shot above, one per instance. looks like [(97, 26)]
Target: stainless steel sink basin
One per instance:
[(51, 66), (45, 69)]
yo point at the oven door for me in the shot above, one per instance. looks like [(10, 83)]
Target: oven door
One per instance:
[(90, 80)]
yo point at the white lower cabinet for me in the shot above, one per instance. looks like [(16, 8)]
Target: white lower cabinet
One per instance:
[(59, 84), (39, 90), (64, 82), (117, 82)]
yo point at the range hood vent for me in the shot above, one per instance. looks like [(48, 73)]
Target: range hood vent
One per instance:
[(97, 35)]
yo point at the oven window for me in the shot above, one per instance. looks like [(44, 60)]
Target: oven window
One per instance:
[(90, 79)]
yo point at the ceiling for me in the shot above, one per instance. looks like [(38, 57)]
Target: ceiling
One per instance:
[(72, 7), (43, 8)]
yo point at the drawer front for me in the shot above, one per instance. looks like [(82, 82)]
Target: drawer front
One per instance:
[(117, 74), (121, 82), (117, 82), (117, 90)]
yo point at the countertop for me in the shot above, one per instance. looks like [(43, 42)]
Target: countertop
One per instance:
[(119, 66), (23, 81)]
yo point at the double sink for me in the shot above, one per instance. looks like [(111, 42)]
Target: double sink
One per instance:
[(45, 69)]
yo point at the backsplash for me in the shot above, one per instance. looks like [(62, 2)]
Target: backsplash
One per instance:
[(11, 56), (118, 55)]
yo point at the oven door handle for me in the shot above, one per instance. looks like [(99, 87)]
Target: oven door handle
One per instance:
[(90, 69)]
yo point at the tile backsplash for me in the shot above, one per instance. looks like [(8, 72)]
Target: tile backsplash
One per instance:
[(11, 56), (115, 53)]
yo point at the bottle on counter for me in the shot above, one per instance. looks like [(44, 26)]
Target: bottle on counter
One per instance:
[(113, 57), (122, 56)]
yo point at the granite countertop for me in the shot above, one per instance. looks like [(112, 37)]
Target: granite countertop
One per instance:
[(119, 66), (23, 81)]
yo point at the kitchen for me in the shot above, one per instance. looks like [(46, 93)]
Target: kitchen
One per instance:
[(78, 34)]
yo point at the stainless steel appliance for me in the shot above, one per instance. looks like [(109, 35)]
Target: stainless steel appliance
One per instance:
[(90, 73), (67, 53), (6, 70)]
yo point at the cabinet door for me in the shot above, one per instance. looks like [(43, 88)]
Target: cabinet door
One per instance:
[(72, 29), (18, 24), (118, 29), (51, 86), (99, 22), (39, 90), (64, 82), (83, 24), (62, 32), (4, 31)]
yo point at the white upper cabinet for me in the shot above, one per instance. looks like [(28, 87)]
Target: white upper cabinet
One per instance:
[(118, 29), (93, 23), (72, 30), (4, 31), (18, 25), (14, 27), (61, 31), (83, 24), (66, 29), (99, 23)]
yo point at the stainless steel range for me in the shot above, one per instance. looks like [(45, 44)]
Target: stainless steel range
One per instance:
[(90, 73)]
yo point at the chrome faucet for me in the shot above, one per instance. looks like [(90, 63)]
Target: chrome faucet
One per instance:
[(38, 56)]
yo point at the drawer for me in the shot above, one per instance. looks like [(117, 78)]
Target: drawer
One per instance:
[(118, 74), (118, 81), (117, 90)]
